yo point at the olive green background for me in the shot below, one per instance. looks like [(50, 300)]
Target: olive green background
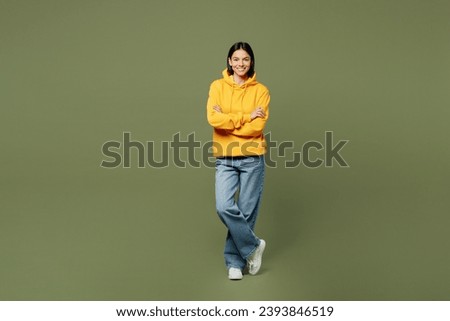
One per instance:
[(76, 74)]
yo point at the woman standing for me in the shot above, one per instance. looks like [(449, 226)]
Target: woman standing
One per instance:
[(237, 108)]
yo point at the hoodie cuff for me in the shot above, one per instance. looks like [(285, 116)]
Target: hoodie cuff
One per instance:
[(247, 118)]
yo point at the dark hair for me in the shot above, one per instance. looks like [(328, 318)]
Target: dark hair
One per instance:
[(244, 46)]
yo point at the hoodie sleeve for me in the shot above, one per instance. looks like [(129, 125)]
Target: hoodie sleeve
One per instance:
[(255, 127), (224, 121)]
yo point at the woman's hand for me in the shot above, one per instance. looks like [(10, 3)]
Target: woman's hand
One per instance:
[(217, 109), (258, 112)]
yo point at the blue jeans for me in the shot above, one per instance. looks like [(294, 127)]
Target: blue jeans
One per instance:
[(239, 185)]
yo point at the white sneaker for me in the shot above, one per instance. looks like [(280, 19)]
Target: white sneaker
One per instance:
[(234, 274), (255, 260)]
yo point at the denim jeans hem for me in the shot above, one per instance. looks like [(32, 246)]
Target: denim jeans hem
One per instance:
[(235, 267), (252, 251)]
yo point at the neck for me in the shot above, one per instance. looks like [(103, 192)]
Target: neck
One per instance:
[(239, 80)]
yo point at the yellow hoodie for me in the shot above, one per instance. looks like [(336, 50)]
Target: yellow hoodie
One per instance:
[(235, 134)]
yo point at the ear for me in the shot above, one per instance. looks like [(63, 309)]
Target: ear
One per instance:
[(229, 61)]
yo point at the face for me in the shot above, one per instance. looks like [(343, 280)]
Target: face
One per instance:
[(240, 62)]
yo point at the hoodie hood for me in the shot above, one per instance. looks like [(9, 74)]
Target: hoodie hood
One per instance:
[(229, 80)]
